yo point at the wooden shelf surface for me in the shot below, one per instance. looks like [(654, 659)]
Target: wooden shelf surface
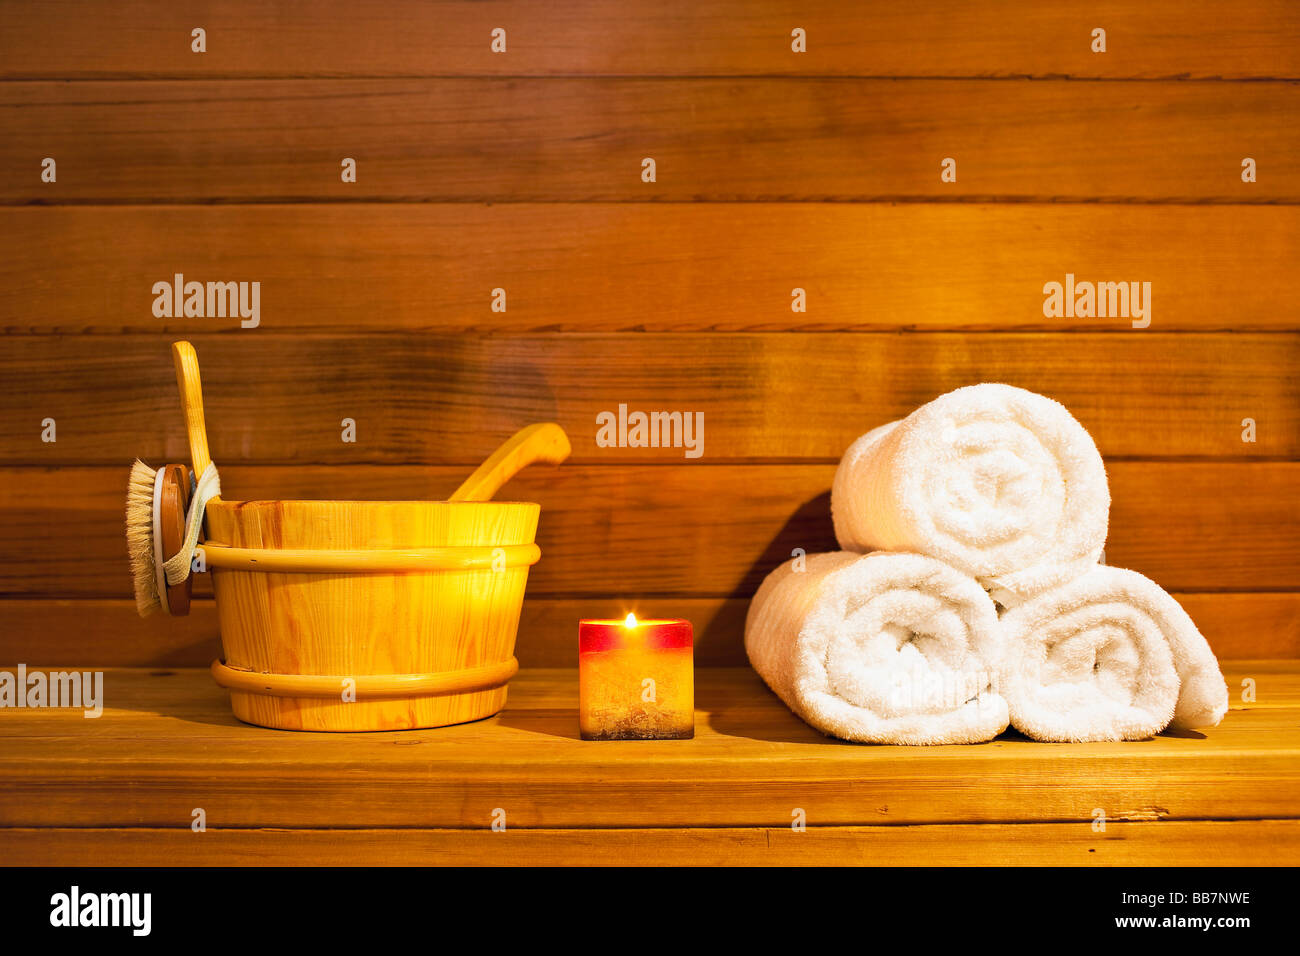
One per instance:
[(124, 787)]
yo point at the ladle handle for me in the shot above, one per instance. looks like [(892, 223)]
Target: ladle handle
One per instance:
[(191, 389), (545, 441)]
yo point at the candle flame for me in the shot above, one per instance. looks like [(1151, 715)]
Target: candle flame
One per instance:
[(630, 620)]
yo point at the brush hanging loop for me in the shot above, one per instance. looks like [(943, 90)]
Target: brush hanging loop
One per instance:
[(177, 568)]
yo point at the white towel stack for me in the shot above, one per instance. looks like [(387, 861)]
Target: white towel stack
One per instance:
[(989, 493)]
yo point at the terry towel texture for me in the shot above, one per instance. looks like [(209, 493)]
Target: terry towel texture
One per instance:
[(880, 648), (1107, 656), (987, 488), (993, 480)]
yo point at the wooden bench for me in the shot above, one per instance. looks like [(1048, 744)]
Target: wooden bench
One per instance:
[(124, 789)]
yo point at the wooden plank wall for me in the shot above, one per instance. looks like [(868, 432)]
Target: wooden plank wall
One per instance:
[(522, 171)]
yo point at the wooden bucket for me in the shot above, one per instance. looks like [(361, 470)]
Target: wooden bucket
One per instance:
[(368, 615)]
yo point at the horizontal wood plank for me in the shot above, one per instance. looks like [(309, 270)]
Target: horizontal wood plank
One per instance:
[(646, 266), (504, 140), (149, 38), (167, 743), (107, 632), (278, 399), (1167, 843), (611, 267), (704, 530)]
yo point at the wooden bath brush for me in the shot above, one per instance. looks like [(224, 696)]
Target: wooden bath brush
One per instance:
[(159, 523), (156, 504)]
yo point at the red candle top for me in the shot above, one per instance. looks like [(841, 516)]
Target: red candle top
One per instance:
[(659, 634)]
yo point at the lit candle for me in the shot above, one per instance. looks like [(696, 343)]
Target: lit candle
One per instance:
[(636, 680)]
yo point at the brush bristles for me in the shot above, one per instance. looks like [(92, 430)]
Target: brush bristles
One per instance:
[(139, 537)]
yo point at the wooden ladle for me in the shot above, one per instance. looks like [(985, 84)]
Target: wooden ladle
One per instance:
[(544, 441), (187, 380)]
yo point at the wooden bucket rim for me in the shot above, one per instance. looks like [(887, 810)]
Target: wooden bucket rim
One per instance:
[(377, 560)]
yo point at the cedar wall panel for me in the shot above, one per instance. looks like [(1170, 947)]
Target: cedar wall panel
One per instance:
[(968, 38), (711, 139), (694, 529), (273, 398), (776, 171), (643, 266)]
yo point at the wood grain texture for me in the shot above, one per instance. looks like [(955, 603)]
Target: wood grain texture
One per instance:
[(712, 139), (107, 632), (409, 37), (647, 266), (1168, 843), (167, 744), (688, 529), (274, 399)]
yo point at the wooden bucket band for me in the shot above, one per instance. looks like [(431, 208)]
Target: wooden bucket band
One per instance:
[(366, 686), (370, 561)]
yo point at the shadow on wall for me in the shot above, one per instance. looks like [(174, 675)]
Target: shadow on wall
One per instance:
[(720, 640), (809, 528)]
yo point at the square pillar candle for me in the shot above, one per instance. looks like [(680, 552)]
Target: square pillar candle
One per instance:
[(636, 679)]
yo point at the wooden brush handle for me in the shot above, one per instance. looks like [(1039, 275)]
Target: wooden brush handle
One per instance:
[(175, 501), (542, 442), (191, 388)]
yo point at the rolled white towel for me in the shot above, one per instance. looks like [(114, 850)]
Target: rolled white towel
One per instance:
[(880, 648), (998, 482), (1107, 656)]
